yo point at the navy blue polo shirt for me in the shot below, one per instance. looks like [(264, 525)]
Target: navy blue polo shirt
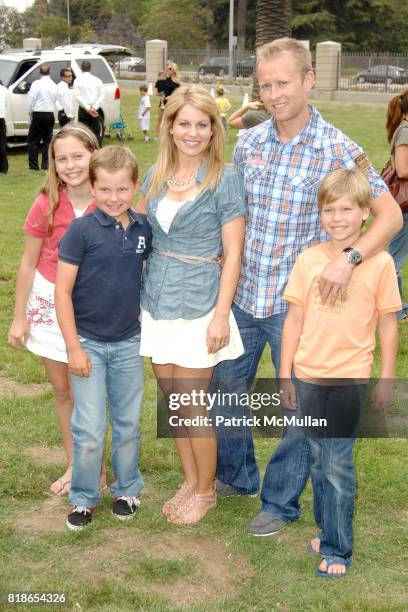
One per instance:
[(106, 294)]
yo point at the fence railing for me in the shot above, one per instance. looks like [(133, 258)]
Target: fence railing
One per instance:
[(200, 63), (383, 72)]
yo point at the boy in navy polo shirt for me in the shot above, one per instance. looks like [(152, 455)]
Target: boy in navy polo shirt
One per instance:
[(97, 301)]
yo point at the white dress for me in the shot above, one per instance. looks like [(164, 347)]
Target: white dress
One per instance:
[(183, 341), (45, 337)]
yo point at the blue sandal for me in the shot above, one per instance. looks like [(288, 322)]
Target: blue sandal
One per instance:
[(333, 561)]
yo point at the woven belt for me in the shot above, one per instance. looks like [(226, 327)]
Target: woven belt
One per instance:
[(189, 259)]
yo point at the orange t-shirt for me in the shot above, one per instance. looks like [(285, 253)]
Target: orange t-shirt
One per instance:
[(338, 341)]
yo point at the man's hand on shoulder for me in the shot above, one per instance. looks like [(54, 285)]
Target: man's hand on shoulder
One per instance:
[(334, 280)]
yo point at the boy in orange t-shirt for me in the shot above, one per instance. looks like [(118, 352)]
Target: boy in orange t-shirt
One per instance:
[(327, 344)]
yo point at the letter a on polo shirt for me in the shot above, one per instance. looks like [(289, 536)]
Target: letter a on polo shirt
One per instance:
[(141, 245)]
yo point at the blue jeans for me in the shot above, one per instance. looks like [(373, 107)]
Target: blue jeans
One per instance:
[(332, 471), (398, 249), (117, 371), (289, 467)]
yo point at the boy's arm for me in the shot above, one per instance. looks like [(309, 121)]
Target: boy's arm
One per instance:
[(388, 332), (79, 362), (292, 329)]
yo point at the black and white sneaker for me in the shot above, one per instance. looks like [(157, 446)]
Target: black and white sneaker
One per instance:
[(79, 517), (125, 507)]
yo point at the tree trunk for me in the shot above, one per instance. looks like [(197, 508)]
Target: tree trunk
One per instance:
[(273, 20), (241, 27), (209, 27)]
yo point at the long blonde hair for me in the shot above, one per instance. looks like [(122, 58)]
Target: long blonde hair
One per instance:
[(166, 164), (175, 76), (53, 184)]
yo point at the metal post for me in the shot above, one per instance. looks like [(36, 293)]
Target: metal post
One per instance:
[(231, 39), (69, 24)]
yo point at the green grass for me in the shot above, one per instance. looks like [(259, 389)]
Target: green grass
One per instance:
[(149, 564)]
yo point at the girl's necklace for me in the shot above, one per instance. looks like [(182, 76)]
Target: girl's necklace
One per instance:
[(178, 186)]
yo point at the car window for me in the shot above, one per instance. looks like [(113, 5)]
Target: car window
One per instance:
[(55, 68), (22, 69), (98, 69), (7, 69)]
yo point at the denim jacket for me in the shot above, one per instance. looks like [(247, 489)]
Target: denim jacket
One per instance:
[(173, 289)]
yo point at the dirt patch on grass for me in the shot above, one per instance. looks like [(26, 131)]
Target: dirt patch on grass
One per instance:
[(200, 569), (47, 454), (179, 566), (10, 388), (49, 518)]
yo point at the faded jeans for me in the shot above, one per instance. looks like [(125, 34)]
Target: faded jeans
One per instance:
[(117, 372)]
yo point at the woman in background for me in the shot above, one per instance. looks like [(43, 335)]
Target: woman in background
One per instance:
[(397, 133)]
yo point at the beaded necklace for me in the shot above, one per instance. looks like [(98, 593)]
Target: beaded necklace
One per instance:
[(178, 185)]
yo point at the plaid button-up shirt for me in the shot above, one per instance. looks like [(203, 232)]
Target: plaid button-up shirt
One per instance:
[(281, 182)]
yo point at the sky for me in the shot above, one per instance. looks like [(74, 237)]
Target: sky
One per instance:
[(18, 4)]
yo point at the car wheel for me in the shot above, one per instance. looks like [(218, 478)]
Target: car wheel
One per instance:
[(221, 72), (361, 79), (389, 81), (201, 72), (101, 128)]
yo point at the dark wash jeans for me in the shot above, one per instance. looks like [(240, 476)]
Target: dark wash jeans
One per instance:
[(289, 467), (332, 471)]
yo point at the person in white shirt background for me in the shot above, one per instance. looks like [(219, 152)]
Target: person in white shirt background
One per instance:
[(65, 101), (89, 94), (3, 150), (42, 99), (144, 112)]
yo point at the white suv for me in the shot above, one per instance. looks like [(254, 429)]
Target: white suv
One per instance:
[(18, 70)]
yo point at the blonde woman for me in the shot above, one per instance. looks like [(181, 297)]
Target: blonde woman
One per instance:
[(172, 81), (196, 206)]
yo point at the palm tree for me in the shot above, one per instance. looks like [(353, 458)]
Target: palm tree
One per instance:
[(273, 20)]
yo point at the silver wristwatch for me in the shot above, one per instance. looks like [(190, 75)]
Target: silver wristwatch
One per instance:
[(353, 256)]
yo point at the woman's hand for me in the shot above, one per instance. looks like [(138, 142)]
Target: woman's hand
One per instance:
[(18, 333), (218, 333)]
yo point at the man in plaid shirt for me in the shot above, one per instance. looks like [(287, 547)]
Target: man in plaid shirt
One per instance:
[(283, 161)]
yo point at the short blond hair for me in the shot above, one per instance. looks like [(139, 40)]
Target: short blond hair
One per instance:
[(343, 182), (113, 158), (300, 54)]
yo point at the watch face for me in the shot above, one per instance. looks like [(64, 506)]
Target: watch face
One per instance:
[(354, 256)]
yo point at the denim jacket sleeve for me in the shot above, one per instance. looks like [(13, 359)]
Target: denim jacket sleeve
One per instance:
[(174, 289)]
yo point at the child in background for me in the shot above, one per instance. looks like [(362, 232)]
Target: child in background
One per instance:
[(224, 106), (329, 344), (97, 299), (64, 196), (144, 112)]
